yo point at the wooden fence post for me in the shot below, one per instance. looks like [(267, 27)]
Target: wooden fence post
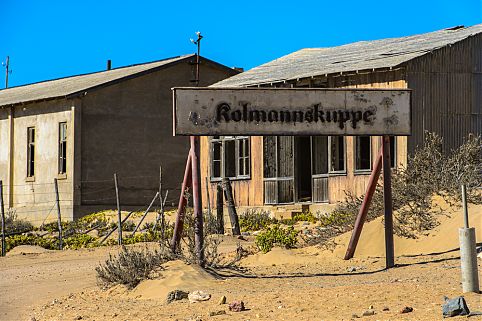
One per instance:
[(118, 209), (220, 208), (59, 217), (2, 210), (228, 193)]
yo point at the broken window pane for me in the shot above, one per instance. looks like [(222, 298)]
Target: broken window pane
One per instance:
[(337, 151), (362, 153), (62, 148), (30, 152)]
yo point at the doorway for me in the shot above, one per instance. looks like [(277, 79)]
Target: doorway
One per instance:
[(303, 168)]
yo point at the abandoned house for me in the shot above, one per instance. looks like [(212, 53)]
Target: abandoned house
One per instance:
[(83, 129), (283, 174)]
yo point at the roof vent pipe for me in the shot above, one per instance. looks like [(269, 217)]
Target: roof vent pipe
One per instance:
[(109, 64)]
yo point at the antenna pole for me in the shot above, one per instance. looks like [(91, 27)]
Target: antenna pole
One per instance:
[(7, 63), (198, 44)]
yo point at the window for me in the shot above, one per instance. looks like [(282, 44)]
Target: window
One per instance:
[(230, 157), (337, 154), (362, 153), (30, 151), (62, 148), (393, 151)]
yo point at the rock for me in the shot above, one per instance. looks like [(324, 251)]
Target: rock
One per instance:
[(33, 319), (214, 313), (222, 300), (454, 307), (237, 306), (198, 296), (368, 313), (406, 310), (176, 295), (245, 233), (370, 307), (79, 317), (386, 309), (354, 316), (242, 238)]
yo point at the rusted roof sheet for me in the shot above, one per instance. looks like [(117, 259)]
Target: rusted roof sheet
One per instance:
[(76, 84), (352, 57)]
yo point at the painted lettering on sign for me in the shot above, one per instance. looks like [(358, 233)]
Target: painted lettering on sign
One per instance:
[(261, 111), (224, 113)]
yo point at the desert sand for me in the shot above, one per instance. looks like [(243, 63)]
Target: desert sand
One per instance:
[(298, 284)]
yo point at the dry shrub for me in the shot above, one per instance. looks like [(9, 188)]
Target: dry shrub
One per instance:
[(429, 172), (211, 242), (14, 225), (130, 266)]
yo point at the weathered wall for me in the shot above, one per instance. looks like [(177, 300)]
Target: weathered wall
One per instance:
[(127, 129), (33, 198), (4, 149), (447, 98), (250, 192), (356, 183)]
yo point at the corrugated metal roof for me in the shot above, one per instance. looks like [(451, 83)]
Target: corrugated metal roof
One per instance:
[(350, 57), (75, 84)]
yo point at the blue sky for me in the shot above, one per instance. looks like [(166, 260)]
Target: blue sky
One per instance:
[(53, 39)]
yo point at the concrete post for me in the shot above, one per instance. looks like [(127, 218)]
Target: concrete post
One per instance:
[(468, 260)]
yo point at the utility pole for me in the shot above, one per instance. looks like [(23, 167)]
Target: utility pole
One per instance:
[(7, 70)]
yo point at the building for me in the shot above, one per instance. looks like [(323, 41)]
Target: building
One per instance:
[(83, 129), (444, 70)]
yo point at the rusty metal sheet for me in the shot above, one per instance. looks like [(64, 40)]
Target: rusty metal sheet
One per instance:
[(276, 111)]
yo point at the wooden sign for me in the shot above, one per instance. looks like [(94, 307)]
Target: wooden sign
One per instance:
[(294, 111)]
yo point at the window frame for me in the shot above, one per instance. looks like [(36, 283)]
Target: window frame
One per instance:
[(363, 171), (222, 141), (332, 172), (62, 152), (31, 140)]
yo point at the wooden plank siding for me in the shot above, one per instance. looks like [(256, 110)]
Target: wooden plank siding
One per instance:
[(250, 192), (353, 182), (448, 95), (246, 192)]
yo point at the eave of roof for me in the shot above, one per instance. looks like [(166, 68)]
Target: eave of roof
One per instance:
[(74, 86), (349, 58)]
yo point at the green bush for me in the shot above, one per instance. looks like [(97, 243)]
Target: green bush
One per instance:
[(255, 220), (78, 241), (305, 216), (276, 235), (128, 226), (49, 243)]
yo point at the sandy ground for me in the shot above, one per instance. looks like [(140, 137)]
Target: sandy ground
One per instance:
[(300, 284)]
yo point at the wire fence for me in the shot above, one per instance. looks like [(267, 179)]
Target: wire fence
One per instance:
[(43, 203)]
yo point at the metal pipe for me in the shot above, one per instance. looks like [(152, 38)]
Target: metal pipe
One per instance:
[(363, 212), (464, 204), (178, 226)]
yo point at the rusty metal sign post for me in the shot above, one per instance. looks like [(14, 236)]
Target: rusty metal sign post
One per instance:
[(294, 112)]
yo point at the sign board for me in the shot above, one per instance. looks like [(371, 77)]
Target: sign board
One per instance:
[(294, 111)]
